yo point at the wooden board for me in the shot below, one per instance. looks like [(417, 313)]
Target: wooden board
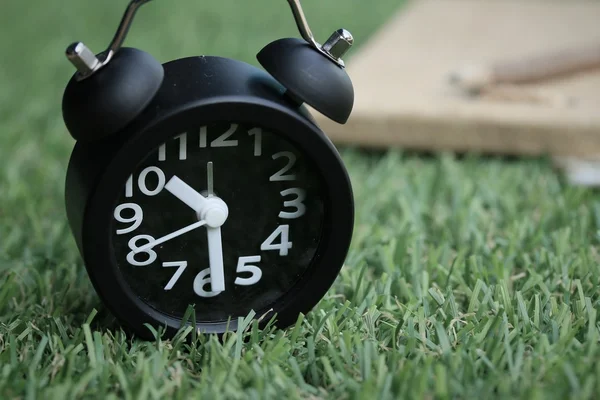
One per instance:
[(403, 98)]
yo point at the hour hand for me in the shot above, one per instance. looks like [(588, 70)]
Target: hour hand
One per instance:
[(186, 194)]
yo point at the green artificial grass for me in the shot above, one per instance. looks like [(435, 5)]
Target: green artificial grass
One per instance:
[(467, 278)]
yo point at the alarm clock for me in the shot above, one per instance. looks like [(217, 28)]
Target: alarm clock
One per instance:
[(205, 181)]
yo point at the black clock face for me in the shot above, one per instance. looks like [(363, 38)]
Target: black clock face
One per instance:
[(224, 217)]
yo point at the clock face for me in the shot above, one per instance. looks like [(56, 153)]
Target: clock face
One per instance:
[(224, 217)]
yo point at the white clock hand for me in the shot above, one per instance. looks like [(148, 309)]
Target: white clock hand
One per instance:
[(215, 244), (186, 193), (215, 259), (170, 236)]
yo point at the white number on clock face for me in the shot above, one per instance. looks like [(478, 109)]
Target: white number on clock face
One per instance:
[(133, 245), (201, 281), (162, 150), (297, 203), (222, 141), (138, 216), (280, 175), (257, 133), (182, 266), (142, 182), (243, 266), (283, 246)]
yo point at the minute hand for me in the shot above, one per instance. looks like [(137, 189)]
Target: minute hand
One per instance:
[(170, 236)]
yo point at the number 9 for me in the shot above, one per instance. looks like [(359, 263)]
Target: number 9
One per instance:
[(137, 218)]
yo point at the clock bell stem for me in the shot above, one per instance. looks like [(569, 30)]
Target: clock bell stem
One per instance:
[(209, 178), (86, 62)]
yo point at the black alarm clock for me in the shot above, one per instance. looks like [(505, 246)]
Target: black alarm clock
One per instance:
[(205, 182)]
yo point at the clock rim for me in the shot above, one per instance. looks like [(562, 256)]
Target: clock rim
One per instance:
[(292, 125)]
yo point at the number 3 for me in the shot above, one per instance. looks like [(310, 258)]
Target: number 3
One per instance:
[(297, 203)]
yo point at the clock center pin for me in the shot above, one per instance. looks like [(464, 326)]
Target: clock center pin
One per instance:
[(215, 212)]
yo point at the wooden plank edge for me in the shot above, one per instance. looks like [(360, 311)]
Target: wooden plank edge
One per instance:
[(460, 135)]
